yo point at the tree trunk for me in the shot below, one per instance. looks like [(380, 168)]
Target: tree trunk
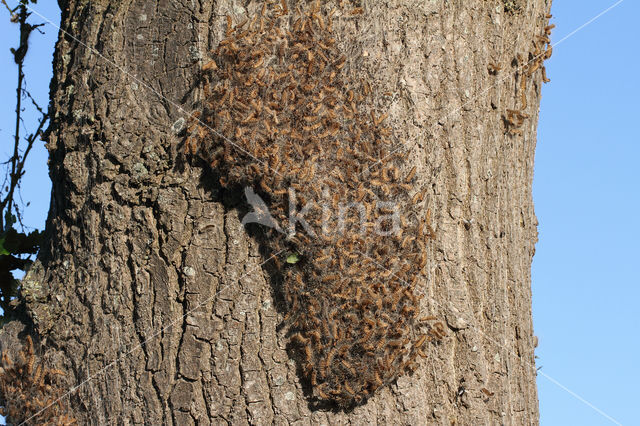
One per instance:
[(149, 293)]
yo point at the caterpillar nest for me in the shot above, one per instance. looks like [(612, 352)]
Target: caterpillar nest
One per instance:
[(281, 115), (29, 390)]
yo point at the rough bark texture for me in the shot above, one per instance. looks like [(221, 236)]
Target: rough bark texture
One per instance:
[(150, 294)]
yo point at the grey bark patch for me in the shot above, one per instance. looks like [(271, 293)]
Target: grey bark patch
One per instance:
[(178, 126)]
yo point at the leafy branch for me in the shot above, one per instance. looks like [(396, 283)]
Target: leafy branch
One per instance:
[(17, 247)]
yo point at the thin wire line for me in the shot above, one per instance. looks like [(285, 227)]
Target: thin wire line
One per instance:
[(581, 399), (588, 22)]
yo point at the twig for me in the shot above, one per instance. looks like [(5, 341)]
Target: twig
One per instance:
[(17, 161), (33, 101), (11, 11)]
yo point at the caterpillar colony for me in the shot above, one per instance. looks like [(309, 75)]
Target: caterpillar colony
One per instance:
[(282, 114)]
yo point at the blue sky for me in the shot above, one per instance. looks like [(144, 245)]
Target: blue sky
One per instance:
[(585, 282)]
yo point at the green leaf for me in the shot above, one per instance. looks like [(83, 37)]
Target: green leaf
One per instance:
[(3, 250), (293, 258)]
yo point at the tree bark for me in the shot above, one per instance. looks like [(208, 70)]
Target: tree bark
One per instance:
[(150, 295)]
